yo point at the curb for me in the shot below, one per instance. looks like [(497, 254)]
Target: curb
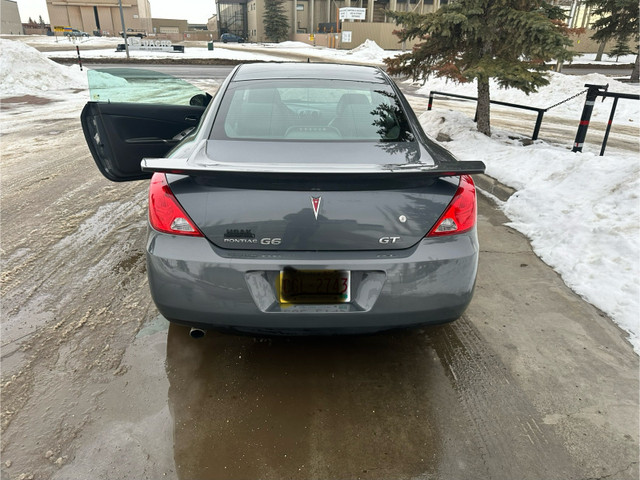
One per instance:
[(494, 187)]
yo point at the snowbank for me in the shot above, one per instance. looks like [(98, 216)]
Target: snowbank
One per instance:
[(368, 52), (369, 47), (189, 52), (25, 71), (606, 59), (290, 44), (581, 211)]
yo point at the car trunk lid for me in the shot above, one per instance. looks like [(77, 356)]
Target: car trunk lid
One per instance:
[(366, 196)]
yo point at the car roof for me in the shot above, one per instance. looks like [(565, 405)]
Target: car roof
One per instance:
[(325, 71)]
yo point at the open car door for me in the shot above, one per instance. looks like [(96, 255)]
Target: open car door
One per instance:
[(135, 113)]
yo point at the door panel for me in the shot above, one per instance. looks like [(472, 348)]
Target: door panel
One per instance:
[(120, 135)]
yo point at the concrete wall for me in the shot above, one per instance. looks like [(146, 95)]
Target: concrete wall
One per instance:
[(255, 24), (584, 44), (212, 26), (381, 33), (168, 25), (10, 23), (199, 35)]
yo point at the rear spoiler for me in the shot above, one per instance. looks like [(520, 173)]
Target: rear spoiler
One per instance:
[(216, 169)]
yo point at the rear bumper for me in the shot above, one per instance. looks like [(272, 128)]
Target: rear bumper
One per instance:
[(195, 283)]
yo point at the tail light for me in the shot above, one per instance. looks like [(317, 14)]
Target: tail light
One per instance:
[(460, 215), (165, 213)]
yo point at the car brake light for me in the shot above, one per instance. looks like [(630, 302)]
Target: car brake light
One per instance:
[(460, 215), (165, 213)]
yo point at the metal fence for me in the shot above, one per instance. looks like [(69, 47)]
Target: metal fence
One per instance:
[(593, 92)]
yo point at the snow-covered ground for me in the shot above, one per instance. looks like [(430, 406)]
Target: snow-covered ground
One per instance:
[(560, 88), (606, 59), (581, 211)]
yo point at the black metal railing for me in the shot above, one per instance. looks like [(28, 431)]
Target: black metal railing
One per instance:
[(539, 111), (593, 92)]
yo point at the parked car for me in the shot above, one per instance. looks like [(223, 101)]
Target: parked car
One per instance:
[(302, 198), (230, 37), (132, 32), (76, 33)]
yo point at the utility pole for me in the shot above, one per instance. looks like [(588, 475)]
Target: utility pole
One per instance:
[(124, 30)]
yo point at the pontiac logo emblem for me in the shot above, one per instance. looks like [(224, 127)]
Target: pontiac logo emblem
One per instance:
[(315, 201)]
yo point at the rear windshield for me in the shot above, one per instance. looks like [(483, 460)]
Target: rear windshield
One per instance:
[(311, 110)]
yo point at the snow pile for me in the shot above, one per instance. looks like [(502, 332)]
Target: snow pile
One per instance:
[(369, 47), (290, 44), (560, 88), (25, 71), (581, 211), (369, 51)]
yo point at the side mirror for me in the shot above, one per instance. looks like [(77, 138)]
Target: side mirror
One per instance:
[(200, 100)]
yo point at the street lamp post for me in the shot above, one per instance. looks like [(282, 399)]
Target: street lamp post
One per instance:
[(124, 30)]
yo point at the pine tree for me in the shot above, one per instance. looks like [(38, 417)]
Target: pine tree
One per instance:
[(508, 40), (276, 25), (617, 19), (621, 48)]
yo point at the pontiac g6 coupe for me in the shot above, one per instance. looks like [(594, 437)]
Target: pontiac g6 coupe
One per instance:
[(300, 199)]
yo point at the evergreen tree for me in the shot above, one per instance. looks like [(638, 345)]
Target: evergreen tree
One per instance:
[(508, 40), (276, 25), (621, 48), (617, 19), (40, 21)]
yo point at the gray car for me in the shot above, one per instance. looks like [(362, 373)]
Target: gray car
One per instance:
[(300, 199)]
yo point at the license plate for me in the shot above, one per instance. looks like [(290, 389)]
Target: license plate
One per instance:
[(314, 286)]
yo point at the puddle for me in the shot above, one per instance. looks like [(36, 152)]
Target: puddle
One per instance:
[(12, 102), (354, 407)]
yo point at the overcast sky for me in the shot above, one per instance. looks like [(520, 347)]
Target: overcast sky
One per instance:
[(194, 11)]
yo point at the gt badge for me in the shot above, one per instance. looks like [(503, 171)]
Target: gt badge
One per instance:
[(315, 201)]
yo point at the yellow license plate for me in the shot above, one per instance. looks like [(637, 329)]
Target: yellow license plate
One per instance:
[(314, 286)]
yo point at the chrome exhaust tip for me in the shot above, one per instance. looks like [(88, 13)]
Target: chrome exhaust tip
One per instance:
[(197, 333)]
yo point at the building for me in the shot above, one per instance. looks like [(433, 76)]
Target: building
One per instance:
[(169, 26), (10, 23), (100, 15), (212, 26), (307, 17)]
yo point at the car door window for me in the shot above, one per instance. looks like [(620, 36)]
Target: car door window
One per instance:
[(132, 85)]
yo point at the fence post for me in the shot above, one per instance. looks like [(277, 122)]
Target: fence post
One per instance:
[(592, 94), (606, 134), (79, 59), (430, 100), (536, 129)]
